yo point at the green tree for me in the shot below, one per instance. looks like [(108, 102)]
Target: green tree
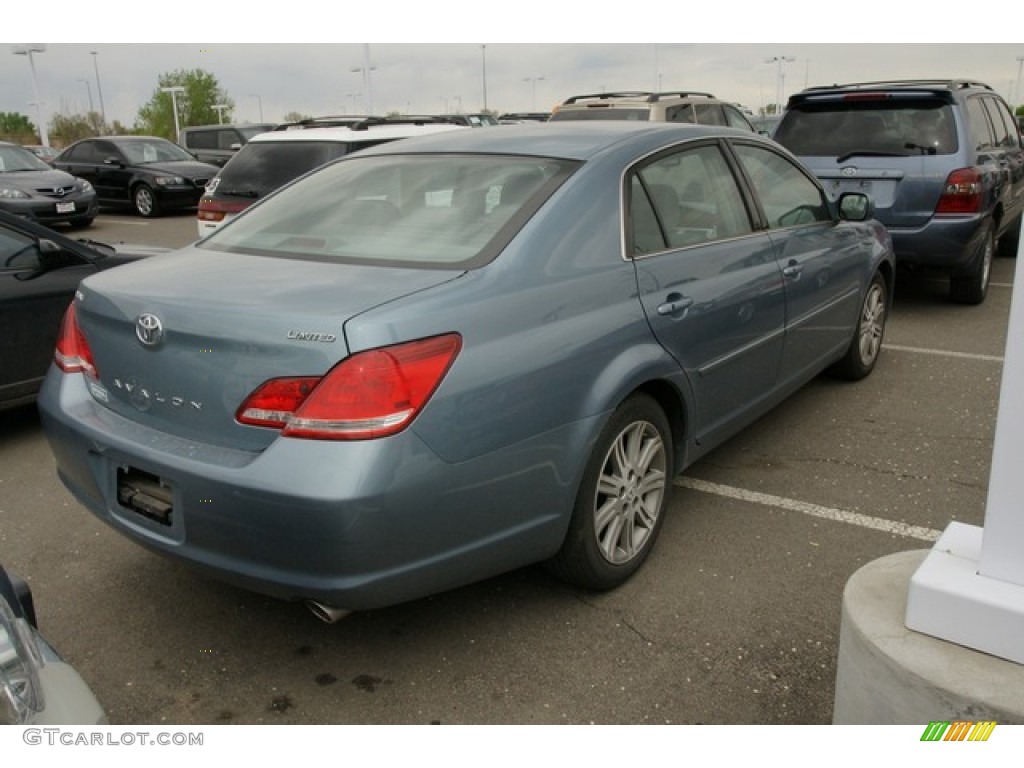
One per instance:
[(195, 103), (69, 128), (17, 128), (295, 117)]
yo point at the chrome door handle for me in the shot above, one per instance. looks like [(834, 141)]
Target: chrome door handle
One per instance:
[(675, 303)]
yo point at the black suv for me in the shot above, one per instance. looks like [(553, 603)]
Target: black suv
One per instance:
[(942, 160)]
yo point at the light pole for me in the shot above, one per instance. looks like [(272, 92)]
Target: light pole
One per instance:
[(28, 50), (1016, 90), (780, 79), (174, 90), (483, 56), (533, 80), (366, 69), (220, 112), (260, 102), (88, 88), (99, 90)]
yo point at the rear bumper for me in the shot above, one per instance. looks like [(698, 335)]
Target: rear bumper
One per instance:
[(950, 245), (354, 525)]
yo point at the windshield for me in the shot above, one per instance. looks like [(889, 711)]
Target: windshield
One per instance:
[(18, 159), (142, 151), (248, 131), (437, 210), (848, 128), (261, 167)]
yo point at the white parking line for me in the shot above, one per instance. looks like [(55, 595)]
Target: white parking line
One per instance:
[(813, 510), (944, 353)]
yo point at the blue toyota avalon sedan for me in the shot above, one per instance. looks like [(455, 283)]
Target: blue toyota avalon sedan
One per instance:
[(448, 357)]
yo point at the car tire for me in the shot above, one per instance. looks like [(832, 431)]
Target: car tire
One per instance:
[(145, 201), (972, 288), (622, 498), (866, 344)]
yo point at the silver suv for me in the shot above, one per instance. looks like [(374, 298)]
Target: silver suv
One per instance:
[(668, 107), (942, 160)]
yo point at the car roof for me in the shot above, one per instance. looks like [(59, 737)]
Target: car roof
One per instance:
[(646, 97), (571, 140), (347, 134)]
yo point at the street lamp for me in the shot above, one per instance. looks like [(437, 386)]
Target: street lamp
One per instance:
[(533, 80), (88, 88), (260, 102), (99, 89), (366, 69), (28, 50), (780, 79), (1020, 63), (483, 54), (220, 112), (174, 90)]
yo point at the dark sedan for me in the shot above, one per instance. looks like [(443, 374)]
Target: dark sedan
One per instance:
[(31, 188), (39, 272), (149, 173)]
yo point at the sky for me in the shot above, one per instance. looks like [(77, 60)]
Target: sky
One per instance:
[(528, 58)]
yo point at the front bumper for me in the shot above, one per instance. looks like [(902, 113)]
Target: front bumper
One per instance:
[(47, 210)]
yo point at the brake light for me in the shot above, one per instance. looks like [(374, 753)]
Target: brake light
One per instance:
[(72, 354), (962, 193), (371, 394), (214, 210)]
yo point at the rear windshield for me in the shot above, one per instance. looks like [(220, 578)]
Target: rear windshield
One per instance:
[(260, 168), (411, 210), (848, 128), (602, 113)]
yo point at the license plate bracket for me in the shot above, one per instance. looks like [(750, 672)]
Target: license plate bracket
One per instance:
[(145, 494)]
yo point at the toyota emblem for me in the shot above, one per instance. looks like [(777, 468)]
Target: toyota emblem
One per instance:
[(149, 329)]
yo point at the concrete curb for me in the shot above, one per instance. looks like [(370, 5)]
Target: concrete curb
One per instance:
[(890, 675)]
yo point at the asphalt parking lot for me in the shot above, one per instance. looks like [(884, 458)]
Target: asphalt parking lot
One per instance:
[(734, 619)]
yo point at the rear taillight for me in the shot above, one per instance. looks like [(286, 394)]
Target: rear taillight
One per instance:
[(72, 354), (371, 394), (962, 193), (215, 210)]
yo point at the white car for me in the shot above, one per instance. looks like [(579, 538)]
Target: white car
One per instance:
[(271, 160), (37, 687)]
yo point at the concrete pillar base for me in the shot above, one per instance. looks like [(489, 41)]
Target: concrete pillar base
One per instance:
[(890, 675)]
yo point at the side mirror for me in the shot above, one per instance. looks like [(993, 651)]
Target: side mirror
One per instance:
[(855, 206)]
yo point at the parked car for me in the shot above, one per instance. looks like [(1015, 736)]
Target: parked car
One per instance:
[(32, 188), (439, 359), (147, 172), (942, 160), (672, 106), (271, 160), (216, 144), (515, 118), (473, 120), (39, 272), (37, 687), (766, 124), (46, 154)]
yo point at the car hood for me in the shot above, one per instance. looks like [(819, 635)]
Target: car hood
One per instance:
[(188, 168), (229, 322), (35, 180)]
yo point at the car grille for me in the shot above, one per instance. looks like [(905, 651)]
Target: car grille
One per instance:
[(56, 191)]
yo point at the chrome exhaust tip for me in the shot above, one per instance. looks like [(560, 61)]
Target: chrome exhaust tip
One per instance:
[(326, 613)]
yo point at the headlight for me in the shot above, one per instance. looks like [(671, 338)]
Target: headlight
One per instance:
[(86, 186), (20, 692), (166, 181), (11, 193)]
